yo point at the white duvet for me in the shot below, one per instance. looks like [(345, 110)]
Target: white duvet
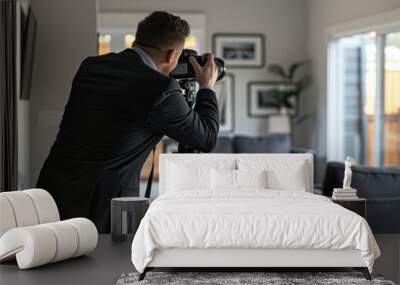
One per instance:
[(250, 219)]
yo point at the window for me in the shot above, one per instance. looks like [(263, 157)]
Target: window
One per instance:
[(364, 98), (391, 109), (114, 41)]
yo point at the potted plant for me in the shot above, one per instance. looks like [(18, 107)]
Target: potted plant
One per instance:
[(288, 97)]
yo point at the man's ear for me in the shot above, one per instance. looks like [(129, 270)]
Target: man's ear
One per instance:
[(170, 56)]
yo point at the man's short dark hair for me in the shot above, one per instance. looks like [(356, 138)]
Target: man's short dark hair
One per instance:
[(162, 30)]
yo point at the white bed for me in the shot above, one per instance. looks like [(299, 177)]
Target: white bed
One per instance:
[(202, 220)]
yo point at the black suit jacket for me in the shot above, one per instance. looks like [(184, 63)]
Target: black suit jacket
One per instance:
[(118, 110)]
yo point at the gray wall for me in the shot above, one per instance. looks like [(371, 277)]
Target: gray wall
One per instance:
[(283, 22), (323, 14), (294, 29), (66, 35)]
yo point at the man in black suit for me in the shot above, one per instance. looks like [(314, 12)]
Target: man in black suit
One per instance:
[(120, 106)]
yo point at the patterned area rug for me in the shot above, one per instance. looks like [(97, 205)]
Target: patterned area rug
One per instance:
[(244, 278)]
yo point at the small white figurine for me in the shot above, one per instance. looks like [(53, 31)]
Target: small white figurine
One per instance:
[(347, 174)]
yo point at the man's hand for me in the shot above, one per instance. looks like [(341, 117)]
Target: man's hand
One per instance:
[(205, 75)]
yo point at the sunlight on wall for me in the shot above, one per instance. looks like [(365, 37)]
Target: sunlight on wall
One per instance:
[(128, 40), (117, 41), (103, 44), (191, 42)]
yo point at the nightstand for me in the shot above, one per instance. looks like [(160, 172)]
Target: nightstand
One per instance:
[(126, 214), (358, 206)]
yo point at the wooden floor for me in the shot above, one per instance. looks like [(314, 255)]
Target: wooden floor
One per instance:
[(389, 262), (102, 266), (110, 260)]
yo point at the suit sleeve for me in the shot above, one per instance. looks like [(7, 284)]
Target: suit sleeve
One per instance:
[(197, 128)]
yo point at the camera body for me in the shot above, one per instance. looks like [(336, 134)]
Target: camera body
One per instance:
[(184, 69)]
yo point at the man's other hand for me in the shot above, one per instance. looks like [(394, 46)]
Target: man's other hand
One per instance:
[(205, 75)]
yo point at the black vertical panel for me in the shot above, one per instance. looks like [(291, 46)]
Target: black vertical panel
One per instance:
[(8, 99)]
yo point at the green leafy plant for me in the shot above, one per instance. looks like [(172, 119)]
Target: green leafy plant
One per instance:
[(295, 86)]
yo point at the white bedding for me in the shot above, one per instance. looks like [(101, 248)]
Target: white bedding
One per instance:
[(251, 218)]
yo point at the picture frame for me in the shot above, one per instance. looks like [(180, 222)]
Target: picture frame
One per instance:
[(240, 50), (262, 99), (225, 90)]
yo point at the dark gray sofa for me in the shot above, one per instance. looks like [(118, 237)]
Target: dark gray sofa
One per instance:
[(381, 188), (274, 143)]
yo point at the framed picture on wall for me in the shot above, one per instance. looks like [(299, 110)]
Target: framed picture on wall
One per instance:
[(226, 98), (268, 98), (240, 50)]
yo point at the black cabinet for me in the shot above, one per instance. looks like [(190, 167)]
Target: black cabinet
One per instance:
[(126, 214), (358, 206)]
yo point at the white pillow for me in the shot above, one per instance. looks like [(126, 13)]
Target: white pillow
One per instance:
[(251, 178), (226, 179), (279, 178), (223, 179), (282, 174), (183, 177)]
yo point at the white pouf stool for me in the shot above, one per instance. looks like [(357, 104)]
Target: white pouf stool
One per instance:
[(31, 231)]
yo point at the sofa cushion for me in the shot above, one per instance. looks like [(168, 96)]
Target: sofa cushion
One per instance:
[(224, 145), (275, 143), (383, 215)]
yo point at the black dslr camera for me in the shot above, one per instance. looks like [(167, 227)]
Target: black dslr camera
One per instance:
[(186, 77), (184, 69)]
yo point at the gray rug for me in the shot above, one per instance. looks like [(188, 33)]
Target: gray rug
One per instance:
[(243, 278)]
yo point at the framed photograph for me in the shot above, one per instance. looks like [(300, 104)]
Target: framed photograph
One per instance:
[(226, 98), (240, 50), (268, 98)]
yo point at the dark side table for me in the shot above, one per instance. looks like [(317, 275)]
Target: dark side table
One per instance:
[(126, 214), (358, 206)]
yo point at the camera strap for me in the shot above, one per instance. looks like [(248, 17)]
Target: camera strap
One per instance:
[(150, 179)]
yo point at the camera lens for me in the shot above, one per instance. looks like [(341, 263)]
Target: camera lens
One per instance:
[(221, 68)]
